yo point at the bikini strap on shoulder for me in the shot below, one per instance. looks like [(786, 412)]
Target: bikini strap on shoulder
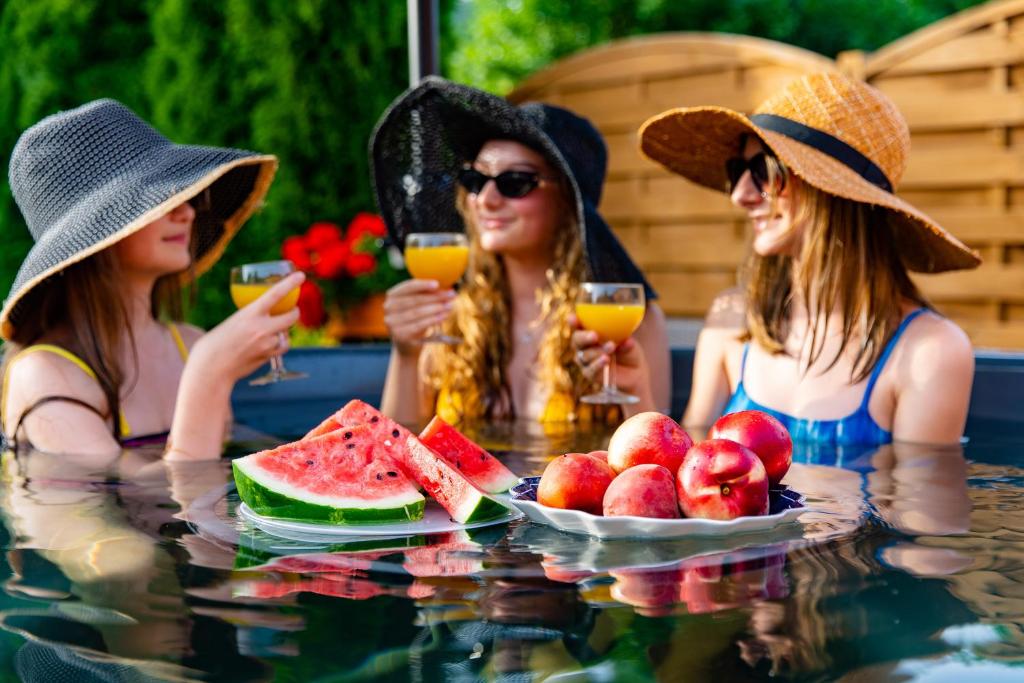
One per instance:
[(886, 352), (743, 361)]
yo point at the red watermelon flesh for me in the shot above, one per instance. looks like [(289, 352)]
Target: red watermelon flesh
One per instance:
[(464, 501), (456, 494), (476, 464), (344, 476), (389, 434)]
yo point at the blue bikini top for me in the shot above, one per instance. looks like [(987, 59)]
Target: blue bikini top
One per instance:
[(857, 428)]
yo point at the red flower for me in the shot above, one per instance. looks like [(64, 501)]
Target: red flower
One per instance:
[(360, 263), (311, 305), (364, 224), (322, 235), (330, 261), (296, 250)]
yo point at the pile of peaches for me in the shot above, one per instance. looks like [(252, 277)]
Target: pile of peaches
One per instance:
[(652, 468)]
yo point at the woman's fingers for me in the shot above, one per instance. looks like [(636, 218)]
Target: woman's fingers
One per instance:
[(418, 314), (278, 291)]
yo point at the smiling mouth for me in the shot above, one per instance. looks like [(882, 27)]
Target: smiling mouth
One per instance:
[(177, 239)]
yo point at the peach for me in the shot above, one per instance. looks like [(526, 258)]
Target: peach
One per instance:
[(575, 481), (648, 438), (721, 479), (761, 433), (653, 592), (643, 491)]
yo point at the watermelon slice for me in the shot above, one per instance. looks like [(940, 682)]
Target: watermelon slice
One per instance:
[(476, 464), (456, 493), (341, 477)]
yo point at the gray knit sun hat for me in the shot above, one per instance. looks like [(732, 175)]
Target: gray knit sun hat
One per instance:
[(86, 178)]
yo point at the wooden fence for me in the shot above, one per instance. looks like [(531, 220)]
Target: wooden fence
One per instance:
[(959, 82)]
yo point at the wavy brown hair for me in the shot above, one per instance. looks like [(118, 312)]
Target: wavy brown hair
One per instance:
[(848, 264), (84, 304), (477, 369)]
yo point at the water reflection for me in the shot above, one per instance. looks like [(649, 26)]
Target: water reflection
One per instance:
[(910, 558)]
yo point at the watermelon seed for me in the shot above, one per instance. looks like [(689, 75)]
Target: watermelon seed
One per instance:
[(392, 474), (394, 433), (309, 462), (458, 464), (379, 478), (374, 419), (348, 435), (350, 445)]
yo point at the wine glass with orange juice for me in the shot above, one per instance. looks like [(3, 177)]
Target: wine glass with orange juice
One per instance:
[(248, 283), (440, 256), (614, 310)]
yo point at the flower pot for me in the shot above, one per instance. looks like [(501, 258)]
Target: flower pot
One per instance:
[(360, 322)]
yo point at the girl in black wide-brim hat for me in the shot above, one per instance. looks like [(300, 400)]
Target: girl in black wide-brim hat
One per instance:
[(523, 183), (122, 218)]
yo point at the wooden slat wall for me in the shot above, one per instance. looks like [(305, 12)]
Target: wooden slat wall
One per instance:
[(960, 84)]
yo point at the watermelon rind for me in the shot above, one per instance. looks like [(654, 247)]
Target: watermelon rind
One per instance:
[(458, 495), (473, 462), (269, 496)]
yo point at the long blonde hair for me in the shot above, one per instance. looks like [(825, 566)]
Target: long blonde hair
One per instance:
[(477, 370), (848, 263)]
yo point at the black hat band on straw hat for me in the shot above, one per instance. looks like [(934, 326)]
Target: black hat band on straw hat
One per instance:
[(826, 144)]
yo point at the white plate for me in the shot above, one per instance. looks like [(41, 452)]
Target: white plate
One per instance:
[(578, 522), (435, 521)]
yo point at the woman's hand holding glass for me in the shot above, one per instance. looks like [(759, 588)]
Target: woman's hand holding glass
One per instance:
[(610, 313), (252, 336), (413, 309), (249, 284)]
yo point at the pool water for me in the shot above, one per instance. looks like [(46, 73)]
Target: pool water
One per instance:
[(909, 565)]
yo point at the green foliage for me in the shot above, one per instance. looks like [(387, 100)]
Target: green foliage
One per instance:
[(304, 79), (500, 43)]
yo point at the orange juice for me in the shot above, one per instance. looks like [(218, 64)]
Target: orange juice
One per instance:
[(612, 322), (245, 294), (446, 264)]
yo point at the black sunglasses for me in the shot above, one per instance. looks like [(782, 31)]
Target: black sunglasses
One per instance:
[(758, 167), (511, 184)]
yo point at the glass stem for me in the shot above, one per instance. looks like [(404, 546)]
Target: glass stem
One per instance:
[(277, 362), (609, 375)]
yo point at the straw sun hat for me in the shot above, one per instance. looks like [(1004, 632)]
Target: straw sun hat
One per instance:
[(432, 130), (841, 136), (87, 178)]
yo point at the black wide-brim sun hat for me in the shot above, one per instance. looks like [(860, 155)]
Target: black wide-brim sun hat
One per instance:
[(88, 177), (435, 128)]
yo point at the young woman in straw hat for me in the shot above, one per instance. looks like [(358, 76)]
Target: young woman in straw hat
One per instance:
[(829, 333), (122, 218), (523, 183)]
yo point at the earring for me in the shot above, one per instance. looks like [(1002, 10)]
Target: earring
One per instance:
[(764, 195)]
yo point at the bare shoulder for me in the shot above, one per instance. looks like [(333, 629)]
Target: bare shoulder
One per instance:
[(33, 376), (653, 325), (933, 341), (728, 310)]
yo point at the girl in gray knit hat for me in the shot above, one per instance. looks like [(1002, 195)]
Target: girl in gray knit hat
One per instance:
[(122, 218)]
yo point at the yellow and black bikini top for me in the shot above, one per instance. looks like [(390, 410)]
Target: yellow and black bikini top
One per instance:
[(124, 427)]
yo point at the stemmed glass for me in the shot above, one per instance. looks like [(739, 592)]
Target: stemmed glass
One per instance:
[(248, 283), (614, 310), (441, 256)]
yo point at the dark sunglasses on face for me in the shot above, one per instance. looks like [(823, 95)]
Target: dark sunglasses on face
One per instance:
[(511, 184), (758, 167)]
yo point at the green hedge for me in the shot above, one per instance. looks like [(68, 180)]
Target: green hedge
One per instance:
[(303, 79)]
